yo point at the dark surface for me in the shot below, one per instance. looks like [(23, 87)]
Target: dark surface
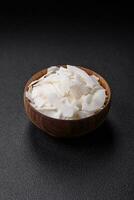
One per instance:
[(34, 166)]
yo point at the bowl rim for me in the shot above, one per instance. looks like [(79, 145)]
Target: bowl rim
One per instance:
[(108, 101)]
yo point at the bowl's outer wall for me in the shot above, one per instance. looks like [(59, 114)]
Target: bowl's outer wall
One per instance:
[(67, 128)]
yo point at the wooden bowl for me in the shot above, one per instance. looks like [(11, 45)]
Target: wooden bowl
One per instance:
[(67, 128)]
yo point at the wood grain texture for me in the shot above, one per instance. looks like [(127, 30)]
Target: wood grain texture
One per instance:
[(67, 128)]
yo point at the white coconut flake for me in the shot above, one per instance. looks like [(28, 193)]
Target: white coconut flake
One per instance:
[(97, 78), (52, 69), (66, 93), (89, 81), (99, 98), (82, 114)]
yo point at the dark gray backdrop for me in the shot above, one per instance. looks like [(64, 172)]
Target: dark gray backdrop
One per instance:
[(34, 166)]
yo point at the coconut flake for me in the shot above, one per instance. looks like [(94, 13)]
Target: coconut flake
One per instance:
[(89, 81), (52, 69), (96, 77)]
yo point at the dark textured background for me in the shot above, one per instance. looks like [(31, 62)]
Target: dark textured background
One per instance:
[(34, 166)]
